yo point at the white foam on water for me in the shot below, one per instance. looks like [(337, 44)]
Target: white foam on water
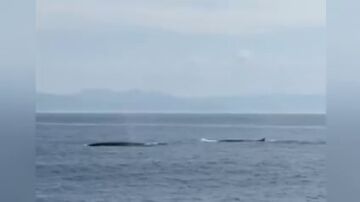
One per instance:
[(207, 140)]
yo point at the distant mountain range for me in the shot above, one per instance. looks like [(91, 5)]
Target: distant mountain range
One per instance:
[(140, 101)]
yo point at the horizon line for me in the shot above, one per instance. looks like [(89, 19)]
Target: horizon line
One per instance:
[(179, 112), (183, 96)]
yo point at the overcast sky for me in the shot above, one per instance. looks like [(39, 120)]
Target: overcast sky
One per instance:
[(182, 47)]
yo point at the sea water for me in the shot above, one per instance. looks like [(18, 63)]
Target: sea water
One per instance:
[(288, 167)]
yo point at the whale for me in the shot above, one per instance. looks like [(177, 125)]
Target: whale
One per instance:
[(233, 140), (125, 144), (242, 140)]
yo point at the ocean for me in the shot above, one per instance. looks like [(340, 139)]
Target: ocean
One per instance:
[(288, 167)]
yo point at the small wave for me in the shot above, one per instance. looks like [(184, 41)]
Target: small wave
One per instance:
[(208, 140), (155, 143)]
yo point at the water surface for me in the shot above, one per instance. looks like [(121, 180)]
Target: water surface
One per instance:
[(290, 167)]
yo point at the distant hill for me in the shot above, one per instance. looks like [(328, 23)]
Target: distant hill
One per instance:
[(139, 101)]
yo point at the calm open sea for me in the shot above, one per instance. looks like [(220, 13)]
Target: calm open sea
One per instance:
[(289, 167)]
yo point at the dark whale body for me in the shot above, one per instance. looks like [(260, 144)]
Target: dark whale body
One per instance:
[(124, 144), (241, 140)]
